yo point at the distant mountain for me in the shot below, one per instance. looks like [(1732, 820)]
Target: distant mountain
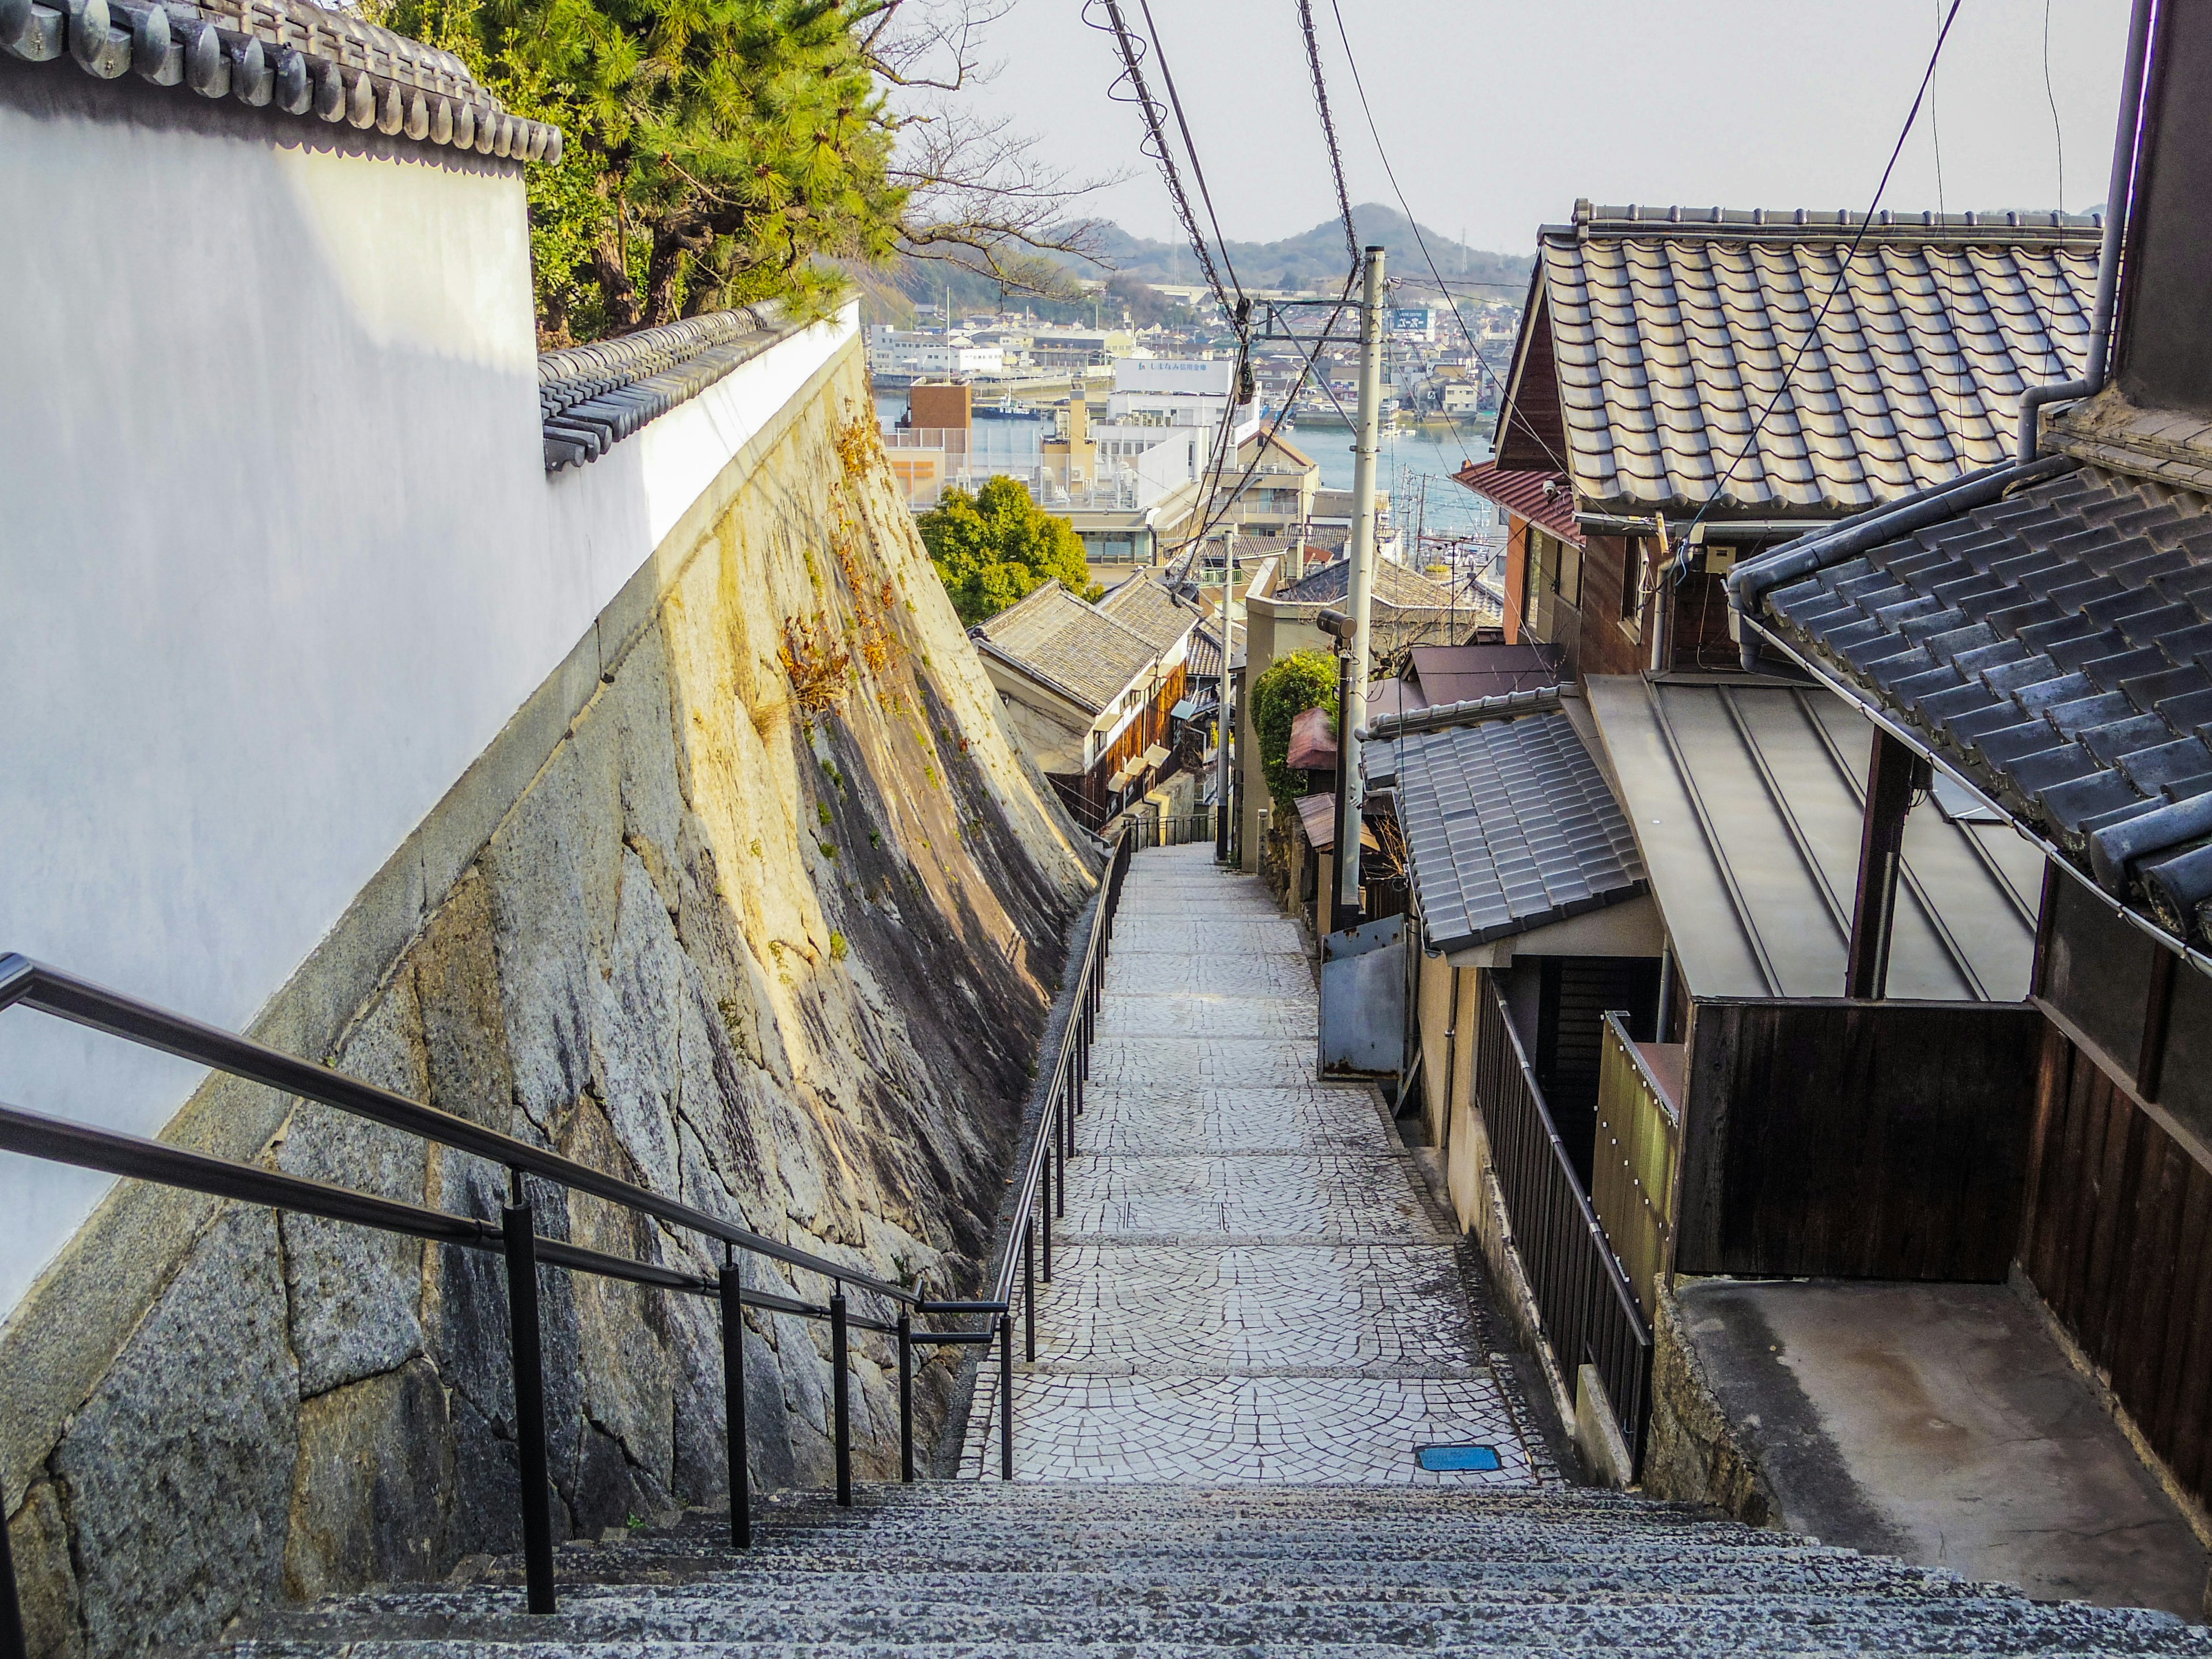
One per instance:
[(1312, 260), (1315, 258)]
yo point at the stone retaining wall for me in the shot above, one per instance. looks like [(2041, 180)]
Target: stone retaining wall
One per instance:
[(767, 915)]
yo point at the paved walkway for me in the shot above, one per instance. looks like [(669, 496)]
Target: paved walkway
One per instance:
[(1252, 1282)]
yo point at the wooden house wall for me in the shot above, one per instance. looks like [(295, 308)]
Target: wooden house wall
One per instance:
[(2117, 1239), (1604, 645), (1701, 619), (1856, 1140), (1087, 794)]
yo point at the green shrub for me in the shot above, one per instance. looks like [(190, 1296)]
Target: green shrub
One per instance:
[(1292, 684)]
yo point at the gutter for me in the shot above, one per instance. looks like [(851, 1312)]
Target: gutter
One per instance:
[(2118, 192), (1717, 529)]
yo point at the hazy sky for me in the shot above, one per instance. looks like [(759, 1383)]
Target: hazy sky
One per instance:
[(1498, 113)]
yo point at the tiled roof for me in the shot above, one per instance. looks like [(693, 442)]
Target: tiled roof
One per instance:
[(1143, 604), (2055, 648), (592, 396), (1395, 585), (1509, 825), (288, 56), (1670, 329), (1545, 499), (1203, 661), (1071, 646)]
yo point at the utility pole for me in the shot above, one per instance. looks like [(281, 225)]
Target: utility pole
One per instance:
[(1361, 553), (1223, 840)]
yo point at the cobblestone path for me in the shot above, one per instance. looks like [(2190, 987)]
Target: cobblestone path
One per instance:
[(1252, 1282)]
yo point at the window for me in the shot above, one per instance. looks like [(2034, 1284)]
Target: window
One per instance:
[(1632, 580)]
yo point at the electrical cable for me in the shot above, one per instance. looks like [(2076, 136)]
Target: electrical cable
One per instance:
[(1421, 242), (1156, 144), (1842, 270), (1328, 132), (1182, 127)]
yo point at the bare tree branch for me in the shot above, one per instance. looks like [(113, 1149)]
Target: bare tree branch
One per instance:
[(980, 195)]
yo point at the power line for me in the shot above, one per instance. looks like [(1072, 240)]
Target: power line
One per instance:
[(1419, 241), (1328, 132), (1155, 142), (1843, 269), (1183, 126)]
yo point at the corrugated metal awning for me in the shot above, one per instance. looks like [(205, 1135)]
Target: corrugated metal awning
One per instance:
[(1747, 802)]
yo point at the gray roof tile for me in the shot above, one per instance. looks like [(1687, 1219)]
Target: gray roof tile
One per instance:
[(1510, 826), (1068, 644), (1939, 323), (2061, 637)]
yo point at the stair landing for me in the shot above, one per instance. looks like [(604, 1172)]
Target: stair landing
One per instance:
[(1252, 1282)]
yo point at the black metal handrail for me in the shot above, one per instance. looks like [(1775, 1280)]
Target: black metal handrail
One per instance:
[(48, 990), (52, 992), (1041, 1193), (1588, 1309)]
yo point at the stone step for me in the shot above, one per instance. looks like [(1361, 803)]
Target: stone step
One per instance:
[(1708, 1625)]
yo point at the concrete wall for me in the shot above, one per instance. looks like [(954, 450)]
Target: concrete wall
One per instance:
[(337, 720), (281, 559)]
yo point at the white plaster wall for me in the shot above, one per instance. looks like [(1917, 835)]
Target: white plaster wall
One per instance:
[(278, 553)]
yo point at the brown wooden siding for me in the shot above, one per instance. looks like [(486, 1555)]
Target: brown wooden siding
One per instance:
[(2117, 1238), (1605, 645), (1087, 795), (1856, 1140), (1701, 614), (1533, 432)]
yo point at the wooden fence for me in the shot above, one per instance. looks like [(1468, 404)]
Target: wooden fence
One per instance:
[(1638, 1145)]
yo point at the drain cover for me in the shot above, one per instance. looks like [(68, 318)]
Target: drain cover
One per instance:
[(1456, 1460)]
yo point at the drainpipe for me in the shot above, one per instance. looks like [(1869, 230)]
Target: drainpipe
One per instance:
[(2118, 193)]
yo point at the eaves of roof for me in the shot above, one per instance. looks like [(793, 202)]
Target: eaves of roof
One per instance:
[(1509, 826), (2053, 650), (285, 56), (1545, 499)]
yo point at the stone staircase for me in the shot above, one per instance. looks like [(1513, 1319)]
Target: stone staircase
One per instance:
[(973, 1569), (1253, 1288)]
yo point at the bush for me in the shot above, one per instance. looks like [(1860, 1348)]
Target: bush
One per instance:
[(1292, 684), (997, 546)]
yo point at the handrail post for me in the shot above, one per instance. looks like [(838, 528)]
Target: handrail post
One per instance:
[(1044, 1209), (840, 1342), (906, 1394), (13, 1643), (1064, 1126), (1029, 1290), (521, 1239), (733, 1406), (1006, 1396)]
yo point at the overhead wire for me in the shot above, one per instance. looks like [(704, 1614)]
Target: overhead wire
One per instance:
[(1155, 142), (1190, 148), (1843, 271), (1420, 240), (1328, 132)]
